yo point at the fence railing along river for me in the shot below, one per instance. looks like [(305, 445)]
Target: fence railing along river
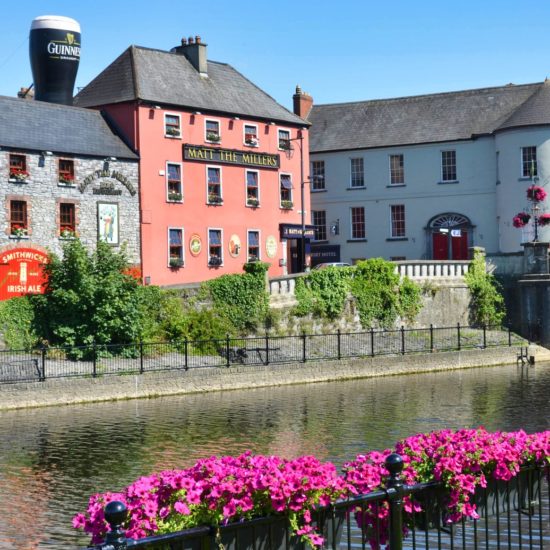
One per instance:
[(141, 357)]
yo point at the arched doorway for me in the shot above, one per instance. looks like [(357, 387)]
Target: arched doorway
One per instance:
[(449, 236)]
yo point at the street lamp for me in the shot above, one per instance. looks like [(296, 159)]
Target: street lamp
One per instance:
[(300, 140)]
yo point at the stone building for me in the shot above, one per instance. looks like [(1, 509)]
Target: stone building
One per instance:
[(64, 172)]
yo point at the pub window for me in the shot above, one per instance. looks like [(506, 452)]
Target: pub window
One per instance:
[(66, 171), (357, 172), (448, 165), (253, 240), (175, 247), (173, 182), (397, 170), (172, 126), (18, 218), (318, 175), (215, 250), (212, 131), (284, 139), (358, 222), (528, 162), (67, 220), (286, 191), (397, 220), (319, 219), (214, 189), (251, 135), (18, 167), (252, 188)]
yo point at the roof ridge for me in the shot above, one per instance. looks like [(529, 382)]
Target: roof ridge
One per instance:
[(48, 104), (436, 94)]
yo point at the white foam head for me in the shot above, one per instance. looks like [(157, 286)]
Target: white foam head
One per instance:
[(55, 22)]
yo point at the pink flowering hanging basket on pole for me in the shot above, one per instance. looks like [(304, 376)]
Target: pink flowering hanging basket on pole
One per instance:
[(536, 193), (544, 219), (521, 219)]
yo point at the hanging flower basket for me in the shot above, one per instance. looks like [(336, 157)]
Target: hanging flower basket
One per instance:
[(544, 219), (521, 219), (536, 193)]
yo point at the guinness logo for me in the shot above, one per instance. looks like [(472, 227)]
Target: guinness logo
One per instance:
[(70, 38)]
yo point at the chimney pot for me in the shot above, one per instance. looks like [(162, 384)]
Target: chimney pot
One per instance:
[(183, 41), (191, 41), (197, 39), (302, 103)]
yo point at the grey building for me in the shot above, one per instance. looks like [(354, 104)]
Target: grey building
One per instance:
[(65, 172), (427, 177)]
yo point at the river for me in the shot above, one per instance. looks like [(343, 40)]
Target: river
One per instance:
[(52, 459)]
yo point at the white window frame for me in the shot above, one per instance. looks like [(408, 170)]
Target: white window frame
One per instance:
[(352, 238), (218, 122), (178, 116), (455, 165), (521, 166), (257, 172), (404, 236), (351, 159), (390, 156), (257, 138), (279, 130), (182, 243), (313, 212), (180, 164), (220, 229), (314, 185), (281, 174), (221, 182), (248, 231)]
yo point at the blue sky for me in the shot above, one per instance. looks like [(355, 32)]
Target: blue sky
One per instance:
[(337, 51)]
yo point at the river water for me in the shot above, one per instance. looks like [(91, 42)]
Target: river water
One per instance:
[(52, 459)]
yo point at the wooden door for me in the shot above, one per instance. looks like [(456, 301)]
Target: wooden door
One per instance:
[(440, 246)]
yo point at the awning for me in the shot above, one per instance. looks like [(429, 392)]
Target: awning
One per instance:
[(286, 182)]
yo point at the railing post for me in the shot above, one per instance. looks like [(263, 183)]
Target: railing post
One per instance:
[(509, 336), (338, 335), (484, 336), (228, 362), (43, 352), (304, 357), (431, 338), (402, 340), (185, 345), (141, 369), (372, 341), (94, 368), (266, 348), (115, 515), (395, 492), (458, 336)]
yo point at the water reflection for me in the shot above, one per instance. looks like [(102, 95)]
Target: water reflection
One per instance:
[(52, 459)]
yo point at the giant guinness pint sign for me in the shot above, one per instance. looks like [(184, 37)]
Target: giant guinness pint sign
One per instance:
[(230, 156)]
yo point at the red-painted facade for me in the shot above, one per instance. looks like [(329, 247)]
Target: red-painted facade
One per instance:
[(194, 216)]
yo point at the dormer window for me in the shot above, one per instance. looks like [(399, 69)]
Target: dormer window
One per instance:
[(212, 131), (251, 135), (172, 126)]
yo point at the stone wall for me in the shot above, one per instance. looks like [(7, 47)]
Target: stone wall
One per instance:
[(96, 181), (196, 380)]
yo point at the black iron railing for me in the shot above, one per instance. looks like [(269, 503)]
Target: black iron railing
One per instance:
[(515, 514), (141, 357)]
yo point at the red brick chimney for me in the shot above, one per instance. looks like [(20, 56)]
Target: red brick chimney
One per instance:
[(302, 103)]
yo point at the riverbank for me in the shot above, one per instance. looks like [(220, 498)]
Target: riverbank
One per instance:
[(197, 380)]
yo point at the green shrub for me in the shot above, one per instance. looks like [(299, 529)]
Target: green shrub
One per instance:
[(17, 323)]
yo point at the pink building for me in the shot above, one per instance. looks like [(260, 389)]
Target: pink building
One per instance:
[(222, 165)]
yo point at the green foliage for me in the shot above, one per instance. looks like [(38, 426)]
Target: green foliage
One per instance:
[(241, 300), (487, 303), (323, 292), (381, 296), (17, 323), (203, 327)]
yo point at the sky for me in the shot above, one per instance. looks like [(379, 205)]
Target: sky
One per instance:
[(337, 51)]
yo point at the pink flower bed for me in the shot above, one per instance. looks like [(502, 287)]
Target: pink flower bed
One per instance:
[(216, 491)]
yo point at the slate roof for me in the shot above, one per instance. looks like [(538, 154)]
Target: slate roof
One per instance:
[(427, 118), (169, 78), (41, 126)]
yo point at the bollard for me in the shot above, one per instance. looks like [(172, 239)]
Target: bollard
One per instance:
[(115, 515), (395, 492)]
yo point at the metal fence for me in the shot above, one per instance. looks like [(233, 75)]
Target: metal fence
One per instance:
[(514, 514), (137, 358)]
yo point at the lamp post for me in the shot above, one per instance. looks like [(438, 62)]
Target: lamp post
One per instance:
[(300, 140)]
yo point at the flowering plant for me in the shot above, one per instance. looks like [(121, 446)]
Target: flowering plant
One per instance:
[(216, 491), (211, 136), (536, 193), (18, 174), (19, 231), (68, 233), (67, 179), (521, 219), (544, 219), (214, 198)]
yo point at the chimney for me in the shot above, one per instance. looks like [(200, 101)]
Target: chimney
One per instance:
[(302, 103), (195, 52)]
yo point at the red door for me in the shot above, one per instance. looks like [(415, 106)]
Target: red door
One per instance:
[(459, 246), (440, 246)]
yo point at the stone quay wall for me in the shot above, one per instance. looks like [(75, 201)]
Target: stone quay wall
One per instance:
[(198, 380)]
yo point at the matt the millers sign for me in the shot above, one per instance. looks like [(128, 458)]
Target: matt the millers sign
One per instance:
[(230, 156)]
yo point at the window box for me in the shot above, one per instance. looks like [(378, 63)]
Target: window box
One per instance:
[(214, 199), (287, 205), (215, 138), (175, 263), (251, 201), (67, 234), (251, 142), (284, 145), (174, 196), (67, 180), (214, 261), (19, 232), (18, 176), (172, 132)]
